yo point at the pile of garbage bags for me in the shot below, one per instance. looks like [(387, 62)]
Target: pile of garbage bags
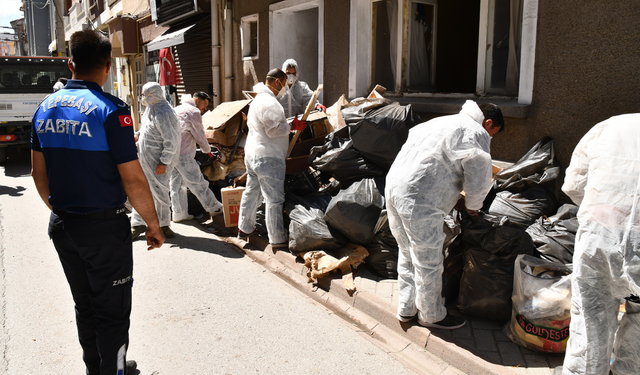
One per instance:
[(350, 167), (496, 264)]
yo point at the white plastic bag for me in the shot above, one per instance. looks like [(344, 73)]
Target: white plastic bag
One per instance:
[(541, 305)]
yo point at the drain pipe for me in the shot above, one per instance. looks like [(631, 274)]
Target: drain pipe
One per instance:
[(228, 63), (215, 51)]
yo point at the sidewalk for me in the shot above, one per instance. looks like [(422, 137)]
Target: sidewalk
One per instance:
[(477, 348)]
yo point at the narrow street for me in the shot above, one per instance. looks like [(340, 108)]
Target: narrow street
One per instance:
[(199, 306)]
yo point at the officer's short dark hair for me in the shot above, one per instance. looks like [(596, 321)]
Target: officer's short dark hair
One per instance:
[(90, 51), (202, 95), (276, 74), (493, 113)]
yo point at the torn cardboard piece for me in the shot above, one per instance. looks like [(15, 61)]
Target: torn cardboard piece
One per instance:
[(225, 121), (321, 264)]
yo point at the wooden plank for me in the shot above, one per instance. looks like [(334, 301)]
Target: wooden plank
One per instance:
[(310, 106)]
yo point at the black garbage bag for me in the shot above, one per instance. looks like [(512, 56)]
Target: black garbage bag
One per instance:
[(204, 159), (530, 169), (383, 255), (379, 133), (194, 207), (383, 250), (555, 237), (319, 201), (302, 183), (355, 211), (261, 224), (345, 163), (308, 231), (487, 279), (453, 263), (525, 207)]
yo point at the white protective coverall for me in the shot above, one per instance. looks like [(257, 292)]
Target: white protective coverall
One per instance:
[(441, 158), (187, 172), (604, 180), (159, 142), (265, 153), (297, 96)]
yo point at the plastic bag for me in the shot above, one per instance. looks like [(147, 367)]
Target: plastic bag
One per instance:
[(355, 211), (555, 237), (453, 263), (487, 279), (346, 163), (379, 133), (529, 170), (541, 305), (383, 255), (525, 207), (308, 231)]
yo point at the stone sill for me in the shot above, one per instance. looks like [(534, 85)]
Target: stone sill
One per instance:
[(448, 106)]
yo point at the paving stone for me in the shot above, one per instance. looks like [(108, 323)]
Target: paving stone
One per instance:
[(510, 354), (555, 360), (499, 336), (493, 357), (536, 360), (463, 333), (484, 340), (486, 324)]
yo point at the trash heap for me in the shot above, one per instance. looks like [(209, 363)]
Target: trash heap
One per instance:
[(511, 263)]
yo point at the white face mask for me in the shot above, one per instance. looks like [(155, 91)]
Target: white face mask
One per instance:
[(291, 78), (282, 92)]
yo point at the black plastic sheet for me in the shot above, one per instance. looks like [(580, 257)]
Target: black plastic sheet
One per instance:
[(529, 170), (379, 133), (355, 211), (344, 162), (487, 280), (383, 250), (555, 237), (525, 207)]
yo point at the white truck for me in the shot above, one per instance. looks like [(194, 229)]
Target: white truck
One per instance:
[(24, 82)]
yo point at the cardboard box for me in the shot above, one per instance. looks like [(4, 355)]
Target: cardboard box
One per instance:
[(231, 198)]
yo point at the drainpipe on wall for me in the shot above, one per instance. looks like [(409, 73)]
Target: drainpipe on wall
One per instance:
[(228, 67), (60, 43), (215, 51)]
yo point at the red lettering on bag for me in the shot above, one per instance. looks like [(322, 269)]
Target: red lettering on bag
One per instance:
[(546, 333)]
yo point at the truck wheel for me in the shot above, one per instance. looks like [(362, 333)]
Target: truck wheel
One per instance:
[(3, 155)]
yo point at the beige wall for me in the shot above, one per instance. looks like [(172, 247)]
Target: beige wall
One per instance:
[(587, 68)]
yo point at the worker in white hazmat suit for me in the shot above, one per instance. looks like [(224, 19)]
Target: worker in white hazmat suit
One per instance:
[(441, 158), (296, 94), (187, 172), (265, 153), (604, 180), (158, 149)]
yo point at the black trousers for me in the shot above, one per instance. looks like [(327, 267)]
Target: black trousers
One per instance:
[(96, 255)]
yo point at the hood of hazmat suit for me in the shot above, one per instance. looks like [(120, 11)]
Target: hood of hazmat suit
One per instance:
[(604, 180), (160, 130), (192, 130), (296, 98), (268, 127), (440, 158)]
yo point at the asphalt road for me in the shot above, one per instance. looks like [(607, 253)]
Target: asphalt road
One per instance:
[(199, 306)]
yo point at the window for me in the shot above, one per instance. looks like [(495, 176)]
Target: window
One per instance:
[(421, 60), (435, 48), (249, 37)]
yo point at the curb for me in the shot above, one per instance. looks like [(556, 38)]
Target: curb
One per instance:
[(374, 318)]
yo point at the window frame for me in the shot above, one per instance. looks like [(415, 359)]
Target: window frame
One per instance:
[(360, 53), (245, 36)]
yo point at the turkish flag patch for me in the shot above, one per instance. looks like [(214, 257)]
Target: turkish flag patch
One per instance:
[(125, 120)]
